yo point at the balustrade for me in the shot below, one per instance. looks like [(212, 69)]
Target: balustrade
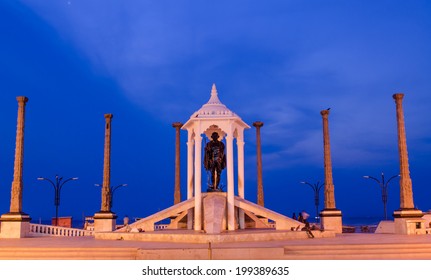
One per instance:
[(39, 229)]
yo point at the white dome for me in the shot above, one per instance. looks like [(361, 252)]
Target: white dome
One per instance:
[(214, 108)]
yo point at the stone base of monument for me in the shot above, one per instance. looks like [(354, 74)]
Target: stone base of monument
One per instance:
[(105, 221), (214, 208), (331, 220), (260, 224), (409, 221), (191, 236), (14, 225)]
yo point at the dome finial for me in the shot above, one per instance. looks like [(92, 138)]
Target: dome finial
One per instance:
[(214, 90), (214, 96)]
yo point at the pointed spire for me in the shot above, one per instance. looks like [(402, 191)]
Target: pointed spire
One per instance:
[(214, 90), (214, 96)]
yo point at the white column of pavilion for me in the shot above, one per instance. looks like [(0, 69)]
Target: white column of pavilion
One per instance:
[(214, 116), (240, 149)]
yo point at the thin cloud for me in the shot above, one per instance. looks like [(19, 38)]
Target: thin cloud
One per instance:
[(270, 64)]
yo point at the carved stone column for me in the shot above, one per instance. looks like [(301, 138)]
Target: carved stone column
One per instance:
[(15, 224), (105, 220), (241, 191), (330, 216), (260, 197), (177, 190), (106, 187), (329, 202), (190, 178), (198, 183), (407, 213), (406, 192)]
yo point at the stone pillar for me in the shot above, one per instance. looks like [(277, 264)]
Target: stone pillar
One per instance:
[(198, 183), (240, 149), (15, 224), (106, 187), (330, 216), (105, 220), (407, 212), (190, 178), (177, 189), (260, 197), (230, 183), (190, 167)]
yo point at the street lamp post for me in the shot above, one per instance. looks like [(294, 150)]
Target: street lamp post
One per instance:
[(316, 188), (57, 184), (112, 189), (384, 187)]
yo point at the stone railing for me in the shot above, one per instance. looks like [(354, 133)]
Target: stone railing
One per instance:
[(160, 226), (39, 229)]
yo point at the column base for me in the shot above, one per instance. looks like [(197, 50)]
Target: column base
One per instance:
[(331, 220), (14, 225), (105, 221), (409, 221)]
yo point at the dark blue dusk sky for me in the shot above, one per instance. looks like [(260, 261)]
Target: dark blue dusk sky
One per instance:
[(152, 63)]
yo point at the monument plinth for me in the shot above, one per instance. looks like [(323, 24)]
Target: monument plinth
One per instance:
[(15, 224), (105, 221), (214, 208)]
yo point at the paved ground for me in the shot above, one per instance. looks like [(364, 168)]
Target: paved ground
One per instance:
[(344, 246), (347, 238)]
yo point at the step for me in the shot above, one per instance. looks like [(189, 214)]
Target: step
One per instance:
[(370, 256), (330, 247), (357, 251), (68, 253)]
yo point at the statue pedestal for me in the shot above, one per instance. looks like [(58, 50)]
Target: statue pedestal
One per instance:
[(331, 220), (409, 221), (105, 221), (14, 225), (214, 207)]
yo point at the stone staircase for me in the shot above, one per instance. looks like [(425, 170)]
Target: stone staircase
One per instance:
[(358, 252), (254, 210), (177, 211), (392, 247), (47, 253)]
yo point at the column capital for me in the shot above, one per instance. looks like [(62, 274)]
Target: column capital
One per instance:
[(324, 113), (177, 124), (229, 137), (398, 96), (258, 124), (22, 99), (109, 116)]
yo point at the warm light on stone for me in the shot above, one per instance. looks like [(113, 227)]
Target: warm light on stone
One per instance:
[(177, 189), (105, 220), (407, 218), (15, 224), (330, 217), (260, 196)]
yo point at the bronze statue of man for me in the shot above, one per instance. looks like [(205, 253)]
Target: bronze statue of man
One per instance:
[(214, 160)]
